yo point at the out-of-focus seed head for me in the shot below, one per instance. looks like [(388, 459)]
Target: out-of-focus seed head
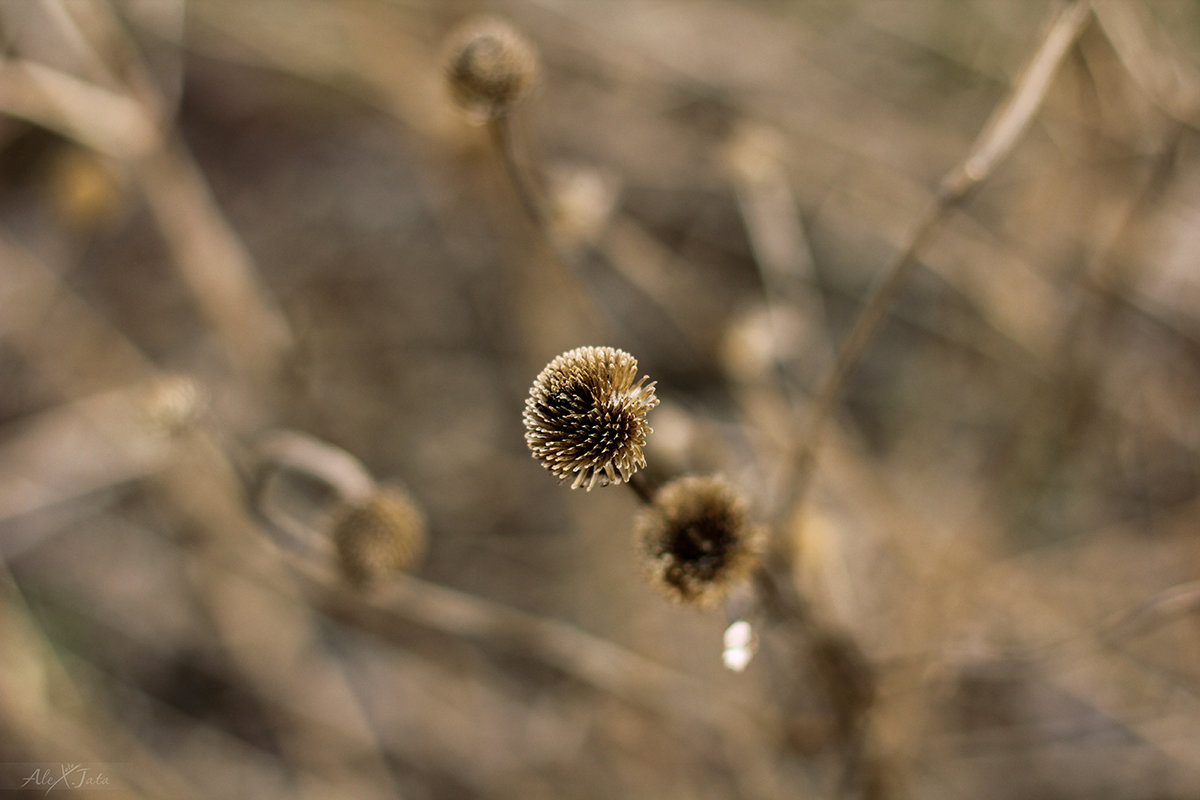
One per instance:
[(585, 417), (383, 534), (172, 403), (697, 540), (490, 67)]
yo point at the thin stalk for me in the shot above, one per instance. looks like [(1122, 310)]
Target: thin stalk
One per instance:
[(534, 206), (999, 136), (640, 486)]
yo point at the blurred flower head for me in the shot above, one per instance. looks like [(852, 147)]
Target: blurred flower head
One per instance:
[(490, 67), (697, 540), (585, 417), (383, 534)]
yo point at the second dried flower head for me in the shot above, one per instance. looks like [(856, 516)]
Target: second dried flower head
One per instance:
[(585, 417), (697, 540), (378, 536)]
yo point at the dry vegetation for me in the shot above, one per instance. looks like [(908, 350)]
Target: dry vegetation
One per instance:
[(221, 220)]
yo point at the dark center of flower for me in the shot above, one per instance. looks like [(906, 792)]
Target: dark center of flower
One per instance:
[(575, 399), (483, 56), (701, 546)]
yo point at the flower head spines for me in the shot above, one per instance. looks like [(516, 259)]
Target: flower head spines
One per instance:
[(697, 540), (585, 417)]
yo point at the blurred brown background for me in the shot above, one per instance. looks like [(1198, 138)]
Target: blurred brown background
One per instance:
[(220, 218)]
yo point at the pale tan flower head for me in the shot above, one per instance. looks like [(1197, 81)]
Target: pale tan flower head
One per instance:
[(585, 417)]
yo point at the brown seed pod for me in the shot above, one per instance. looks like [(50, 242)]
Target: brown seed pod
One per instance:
[(490, 67), (697, 540), (585, 417), (383, 534)]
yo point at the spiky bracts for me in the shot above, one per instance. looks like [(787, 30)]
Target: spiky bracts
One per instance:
[(585, 417)]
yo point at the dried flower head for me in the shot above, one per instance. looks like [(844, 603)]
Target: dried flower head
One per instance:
[(697, 539), (490, 67), (585, 417), (383, 534)]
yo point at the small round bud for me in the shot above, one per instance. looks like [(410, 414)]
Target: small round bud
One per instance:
[(585, 417), (697, 540), (383, 534), (490, 67)]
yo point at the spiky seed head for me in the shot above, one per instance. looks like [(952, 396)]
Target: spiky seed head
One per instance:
[(383, 534), (585, 417), (490, 67), (697, 540)]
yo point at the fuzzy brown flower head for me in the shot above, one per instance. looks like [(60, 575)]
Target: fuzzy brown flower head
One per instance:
[(585, 417), (490, 67), (697, 540), (383, 534)]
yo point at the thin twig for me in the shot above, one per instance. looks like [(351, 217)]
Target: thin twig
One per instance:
[(997, 139), (1170, 83), (244, 590), (532, 203), (576, 257), (642, 487), (590, 659)]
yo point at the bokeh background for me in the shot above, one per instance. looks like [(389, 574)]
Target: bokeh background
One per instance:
[(220, 219)]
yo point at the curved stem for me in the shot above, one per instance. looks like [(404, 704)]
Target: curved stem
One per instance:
[(1003, 130)]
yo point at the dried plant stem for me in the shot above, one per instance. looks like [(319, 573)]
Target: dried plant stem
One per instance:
[(641, 486), (1169, 82), (590, 659), (285, 454), (1078, 395), (1114, 630), (574, 256), (529, 196), (130, 123), (34, 293), (997, 139), (873, 313), (244, 589), (501, 133), (212, 260), (1174, 601), (781, 250)]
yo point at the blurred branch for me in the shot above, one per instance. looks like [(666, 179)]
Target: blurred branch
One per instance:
[(1170, 83), (323, 727), (590, 659), (212, 259), (97, 118), (129, 126), (90, 444), (997, 139), (1175, 601), (57, 330), (48, 713)]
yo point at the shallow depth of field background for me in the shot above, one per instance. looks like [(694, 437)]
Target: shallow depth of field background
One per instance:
[(1006, 510)]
